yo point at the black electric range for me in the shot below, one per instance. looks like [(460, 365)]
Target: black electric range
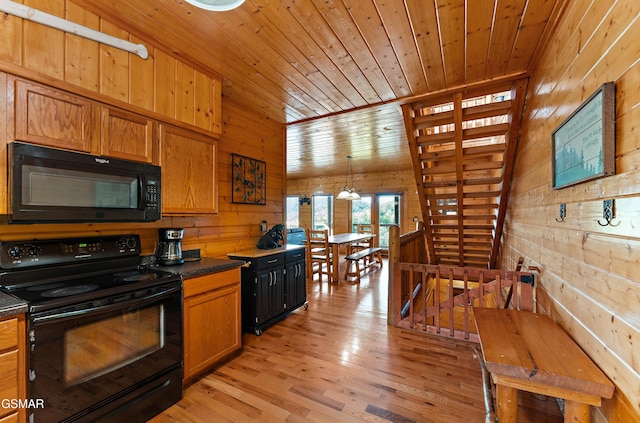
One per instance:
[(53, 273)]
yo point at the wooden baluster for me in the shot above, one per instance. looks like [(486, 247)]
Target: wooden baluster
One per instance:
[(424, 301), (451, 301), (437, 296), (466, 305), (411, 316)]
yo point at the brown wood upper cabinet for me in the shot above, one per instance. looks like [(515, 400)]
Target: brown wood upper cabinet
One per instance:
[(126, 135), (51, 117), (189, 171)]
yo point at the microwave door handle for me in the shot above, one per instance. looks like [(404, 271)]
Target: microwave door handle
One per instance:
[(142, 189)]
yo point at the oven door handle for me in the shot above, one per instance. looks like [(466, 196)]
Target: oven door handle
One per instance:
[(141, 301)]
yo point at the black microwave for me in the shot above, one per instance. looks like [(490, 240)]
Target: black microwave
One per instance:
[(49, 185)]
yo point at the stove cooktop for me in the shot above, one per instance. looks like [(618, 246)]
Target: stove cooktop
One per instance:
[(54, 273), (46, 290)]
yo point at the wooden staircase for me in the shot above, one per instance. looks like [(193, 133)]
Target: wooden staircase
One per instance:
[(463, 146)]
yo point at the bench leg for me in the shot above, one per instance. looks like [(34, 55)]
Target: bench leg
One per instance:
[(379, 258), (507, 399), (576, 412), (350, 274)]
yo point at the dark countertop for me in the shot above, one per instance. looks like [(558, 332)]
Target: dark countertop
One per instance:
[(256, 252), (10, 305), (204, 266)]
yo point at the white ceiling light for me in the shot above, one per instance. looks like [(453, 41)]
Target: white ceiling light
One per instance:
[(216, 5), (348, 192)]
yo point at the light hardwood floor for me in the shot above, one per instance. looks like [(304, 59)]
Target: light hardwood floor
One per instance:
[(339, 361)]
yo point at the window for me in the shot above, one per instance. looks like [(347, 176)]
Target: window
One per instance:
[(389, 214), (293, 212), (361, 212), (322, 212)]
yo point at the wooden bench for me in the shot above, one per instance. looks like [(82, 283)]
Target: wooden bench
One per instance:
[(374, 259), (530, 352)]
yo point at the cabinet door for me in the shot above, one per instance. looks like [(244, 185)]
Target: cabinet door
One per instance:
[(211, 328), (262, 293), (189, 172), (126, 135), (296, 285), (52, 118), (12, 369), (276, 293)]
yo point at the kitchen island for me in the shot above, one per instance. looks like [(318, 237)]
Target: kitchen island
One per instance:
[(273, 284)]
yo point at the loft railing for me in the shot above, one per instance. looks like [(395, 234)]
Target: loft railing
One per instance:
[(439, 299)]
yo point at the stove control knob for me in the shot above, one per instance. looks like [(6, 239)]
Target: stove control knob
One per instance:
[(15, 252), (131, 242), (34, 250)]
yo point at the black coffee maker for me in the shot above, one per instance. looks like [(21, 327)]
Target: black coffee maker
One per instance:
[(169, 248)]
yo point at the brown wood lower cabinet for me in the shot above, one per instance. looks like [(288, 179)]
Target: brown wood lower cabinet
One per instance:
[(12, 367), (212, 330)]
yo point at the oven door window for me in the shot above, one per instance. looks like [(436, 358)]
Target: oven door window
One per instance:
[(101, 347), (82, 359)]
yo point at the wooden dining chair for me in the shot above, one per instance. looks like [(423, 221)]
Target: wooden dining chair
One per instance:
[(363, 228), (319, 257)]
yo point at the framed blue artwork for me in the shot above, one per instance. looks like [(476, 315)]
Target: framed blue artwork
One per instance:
[(583, 146)]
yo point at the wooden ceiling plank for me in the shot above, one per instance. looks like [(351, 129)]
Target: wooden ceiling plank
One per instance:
[(274, 56), (423, 21), (479, 22), (368, 21), (451, 25), (306, 50), (533, 24), (503, 34), (311, 19), (341, 22), (397, 26)]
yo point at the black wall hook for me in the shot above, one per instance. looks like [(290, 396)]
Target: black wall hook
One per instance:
[(563, 212), (608, 213)]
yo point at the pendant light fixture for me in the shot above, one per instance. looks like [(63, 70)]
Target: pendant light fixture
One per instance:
[(348, 192), (216, 5)]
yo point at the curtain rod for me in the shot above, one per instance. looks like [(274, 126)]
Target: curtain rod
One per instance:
[(52, 21)]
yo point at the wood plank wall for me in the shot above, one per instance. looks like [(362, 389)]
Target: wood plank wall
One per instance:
[(377, 183), (590, 274), (163, 88)]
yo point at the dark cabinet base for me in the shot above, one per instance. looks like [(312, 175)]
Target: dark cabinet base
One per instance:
[(272, 287)]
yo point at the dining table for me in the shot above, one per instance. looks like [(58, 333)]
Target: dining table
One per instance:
[(336, 240)]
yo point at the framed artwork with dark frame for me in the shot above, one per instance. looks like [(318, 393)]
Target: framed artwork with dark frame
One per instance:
[(583, 146), (248, 179)]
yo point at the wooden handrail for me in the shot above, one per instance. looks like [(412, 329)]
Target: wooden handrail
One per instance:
[(446, 289), (409, 247)]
